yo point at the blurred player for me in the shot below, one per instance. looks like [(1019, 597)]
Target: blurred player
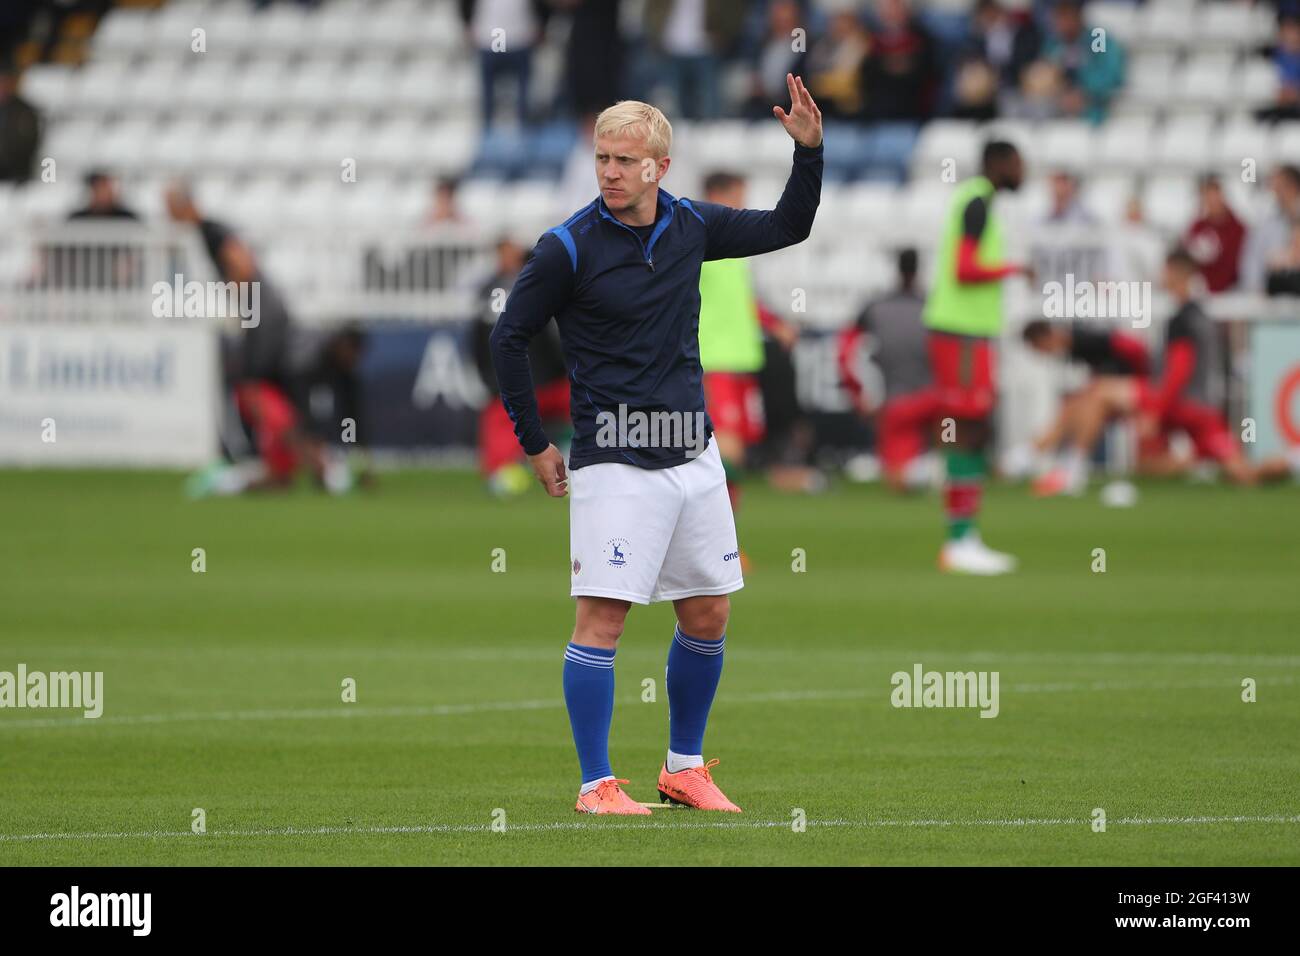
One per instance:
[(964, 315), (1115, 361), (731, 344), (1181, 400), (905, 419), (263, 374), (648, 521)]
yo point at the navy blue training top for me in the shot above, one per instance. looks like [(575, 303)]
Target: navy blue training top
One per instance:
[(628, 311)]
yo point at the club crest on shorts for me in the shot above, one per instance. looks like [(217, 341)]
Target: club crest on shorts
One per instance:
[(615, 552), (577, 565)]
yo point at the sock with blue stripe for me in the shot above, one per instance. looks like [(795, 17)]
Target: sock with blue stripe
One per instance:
[(694, 668), (589, 696)]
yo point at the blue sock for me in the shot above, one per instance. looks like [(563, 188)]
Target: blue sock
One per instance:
[(589, 695), (694, 668)]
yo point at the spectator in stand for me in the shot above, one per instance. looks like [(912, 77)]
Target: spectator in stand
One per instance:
[(20, 130), (15, 24), (1216, 237), (900, 74), (505, 32), (1089, 75), (444, 211), (1137, 249), (834, 66), (98, 265), (1286, 57), (1067, 209), (1284, 267), (975, 91), (1268, 239), (102, 202), (1038, 95), (690, 37), (593, 57), (775, 57), (1003, 40)]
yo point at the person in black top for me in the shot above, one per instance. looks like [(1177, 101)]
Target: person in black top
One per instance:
[(1115, 361), (272, 372)]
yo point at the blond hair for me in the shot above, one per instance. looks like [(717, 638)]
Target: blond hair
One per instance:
[(634, 118)]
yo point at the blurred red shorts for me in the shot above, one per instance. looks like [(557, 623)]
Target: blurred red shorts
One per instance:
[(1203, 424), (964, 375), (735, 404), (903, 427), (272, 418)]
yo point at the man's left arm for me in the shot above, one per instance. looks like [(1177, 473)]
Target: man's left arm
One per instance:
[(737, 233)]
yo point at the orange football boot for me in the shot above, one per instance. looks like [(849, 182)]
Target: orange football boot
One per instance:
[(609, 798), (694, 787)]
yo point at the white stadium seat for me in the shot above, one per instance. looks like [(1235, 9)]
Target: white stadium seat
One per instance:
[(1241, 139), (1067, 144), (1125, 143), (260, 86), (126, 145), (941, 140), (1183, 142), (1167, 24), (207, 85), (151, 88), (47, 86), (1119, 19), (1207, 79), (125, 32), (1151, 77), (1257, 82), (100, 85), (1169, 202), (1107, 196)]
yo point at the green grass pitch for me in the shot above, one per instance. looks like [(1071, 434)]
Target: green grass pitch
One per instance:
[(1119, 690)]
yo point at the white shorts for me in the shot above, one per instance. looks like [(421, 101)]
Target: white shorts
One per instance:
[(645, 535)]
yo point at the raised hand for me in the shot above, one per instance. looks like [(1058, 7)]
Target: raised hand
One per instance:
[(804, 121)]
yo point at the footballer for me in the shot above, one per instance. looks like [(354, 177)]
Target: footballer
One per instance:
[(964, 316), (648, 521)]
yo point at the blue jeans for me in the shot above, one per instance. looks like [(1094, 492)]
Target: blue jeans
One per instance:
[(509, 63)]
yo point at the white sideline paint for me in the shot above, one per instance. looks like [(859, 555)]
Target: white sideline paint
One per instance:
[(609, 824), (354, 712), (500, 653)]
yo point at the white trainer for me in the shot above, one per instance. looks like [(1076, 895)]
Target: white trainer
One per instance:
[(970, 555)]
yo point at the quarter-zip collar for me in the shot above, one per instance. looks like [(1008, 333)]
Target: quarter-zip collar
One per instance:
[(665, 204)]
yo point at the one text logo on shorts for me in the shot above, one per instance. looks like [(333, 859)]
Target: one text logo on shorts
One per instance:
[(102, 909), (208, 300), (922, 688), (731, 556), (78, 690), (615, 552), (1130, 301), (633, 428)]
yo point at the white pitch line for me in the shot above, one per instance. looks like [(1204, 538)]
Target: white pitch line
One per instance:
[(435, 828), (520, 653), (353, 711), (453, 710)]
